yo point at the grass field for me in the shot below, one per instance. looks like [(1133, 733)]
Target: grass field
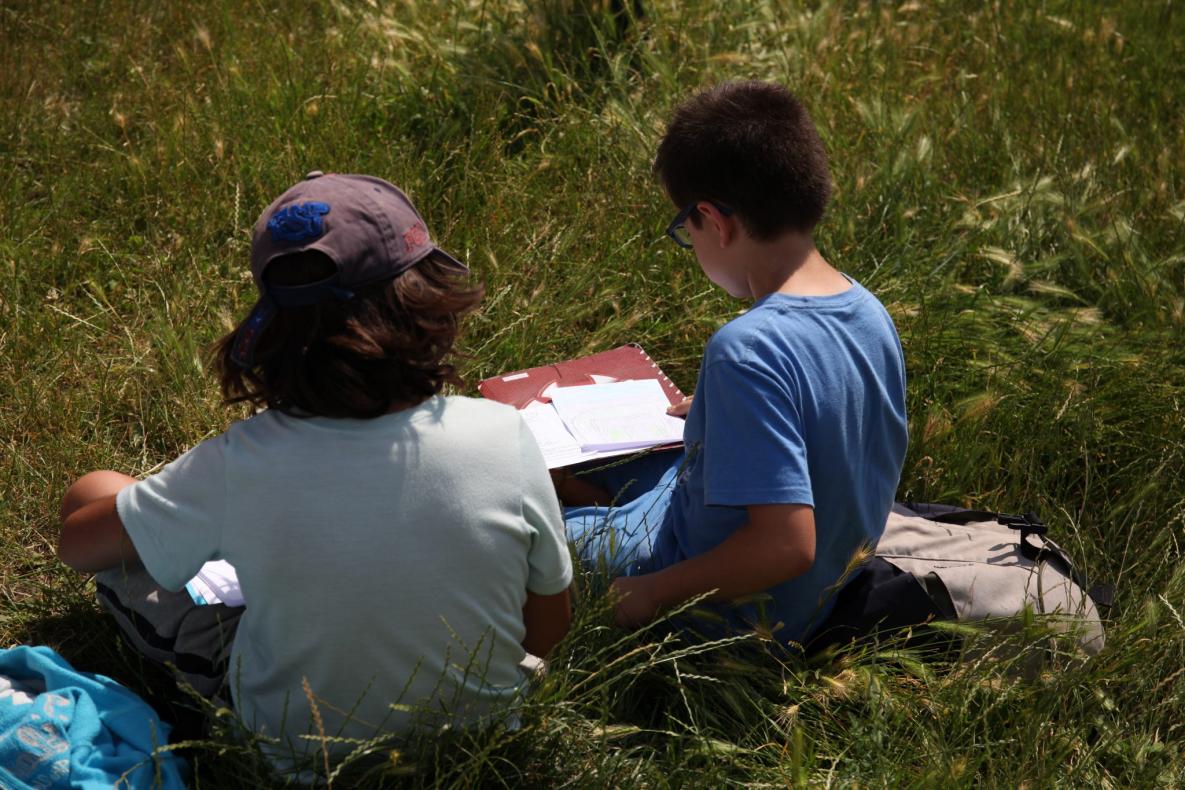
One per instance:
[(1009, 181)]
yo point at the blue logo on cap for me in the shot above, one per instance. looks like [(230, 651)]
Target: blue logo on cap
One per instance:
[(298, 222)]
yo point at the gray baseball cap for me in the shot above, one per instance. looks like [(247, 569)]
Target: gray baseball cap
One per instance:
[(365, 225)]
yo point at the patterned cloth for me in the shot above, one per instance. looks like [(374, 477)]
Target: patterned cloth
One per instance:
[(60, 728)]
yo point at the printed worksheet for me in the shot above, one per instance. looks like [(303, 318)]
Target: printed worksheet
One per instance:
[(557, 444), (617, 416)]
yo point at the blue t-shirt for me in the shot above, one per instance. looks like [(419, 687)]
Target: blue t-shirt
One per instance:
[(801, 400)]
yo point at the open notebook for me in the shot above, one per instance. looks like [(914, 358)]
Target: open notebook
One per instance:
[(600, 406)]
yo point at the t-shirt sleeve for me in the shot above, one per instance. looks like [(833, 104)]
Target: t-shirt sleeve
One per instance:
[(175, 517), (754, 451), (549, 562)]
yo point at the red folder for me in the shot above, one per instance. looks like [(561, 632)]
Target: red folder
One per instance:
[(624, 363)]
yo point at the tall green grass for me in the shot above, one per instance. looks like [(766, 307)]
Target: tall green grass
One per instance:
[(1008, 180)]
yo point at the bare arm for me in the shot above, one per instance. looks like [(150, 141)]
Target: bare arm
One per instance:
[(547, 618), (93, 538), (776, 545)]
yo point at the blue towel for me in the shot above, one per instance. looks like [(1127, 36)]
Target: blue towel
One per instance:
[(64, 728)]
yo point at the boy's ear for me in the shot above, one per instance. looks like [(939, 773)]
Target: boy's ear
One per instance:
[(726, 226)]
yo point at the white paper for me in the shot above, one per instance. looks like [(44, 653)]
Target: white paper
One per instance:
[(618, 416), (556, 442), (558, 446), (216, 582)]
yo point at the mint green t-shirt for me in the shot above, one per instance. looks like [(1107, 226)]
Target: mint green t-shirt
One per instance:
[(386, 561)]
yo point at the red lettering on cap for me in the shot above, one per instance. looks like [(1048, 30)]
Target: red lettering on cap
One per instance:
[(415, 236)]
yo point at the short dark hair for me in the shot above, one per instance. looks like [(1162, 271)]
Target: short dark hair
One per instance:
[(752, 147), (355, 358)]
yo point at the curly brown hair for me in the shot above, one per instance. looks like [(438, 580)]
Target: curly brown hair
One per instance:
[(382, 350)]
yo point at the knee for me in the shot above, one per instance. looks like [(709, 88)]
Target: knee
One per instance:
[(92, 486)]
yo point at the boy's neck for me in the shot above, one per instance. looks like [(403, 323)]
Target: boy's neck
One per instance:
[(790, 265)]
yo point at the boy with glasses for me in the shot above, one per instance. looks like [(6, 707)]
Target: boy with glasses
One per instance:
[(797, 431)]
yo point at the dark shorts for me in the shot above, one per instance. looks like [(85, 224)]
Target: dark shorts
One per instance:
[(169, 628)]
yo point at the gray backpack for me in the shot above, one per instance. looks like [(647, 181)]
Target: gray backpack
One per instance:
[(936, 562)]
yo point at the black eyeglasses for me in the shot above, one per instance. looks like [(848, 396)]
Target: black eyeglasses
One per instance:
[(677, 230)]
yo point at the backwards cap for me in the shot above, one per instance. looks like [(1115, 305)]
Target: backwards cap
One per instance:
[(365, 225)]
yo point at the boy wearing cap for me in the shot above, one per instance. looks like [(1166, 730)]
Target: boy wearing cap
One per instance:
[(393, 546), (797, 432)]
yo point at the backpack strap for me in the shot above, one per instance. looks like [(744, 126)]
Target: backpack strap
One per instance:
[(1103, 595)]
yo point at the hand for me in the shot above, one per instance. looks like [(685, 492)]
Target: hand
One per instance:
[(635, 601), (681, 408)]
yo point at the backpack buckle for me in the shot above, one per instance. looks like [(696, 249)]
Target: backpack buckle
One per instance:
[(1027, 524)]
